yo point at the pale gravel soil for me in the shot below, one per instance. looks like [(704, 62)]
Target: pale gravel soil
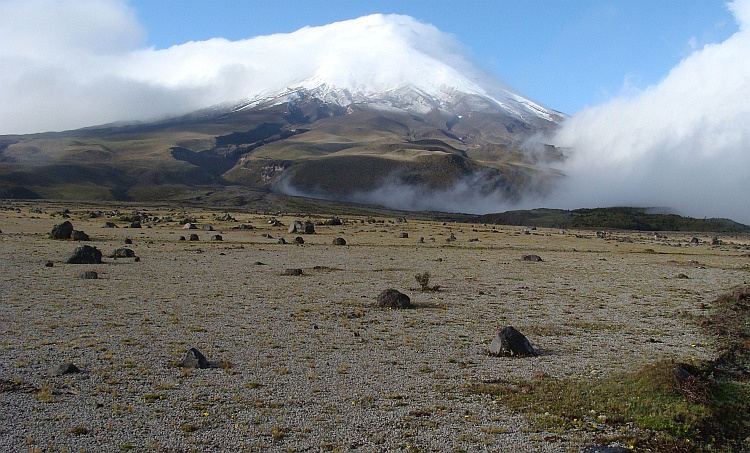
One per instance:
[(334, 372)]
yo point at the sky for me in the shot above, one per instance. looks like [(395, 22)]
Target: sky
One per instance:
[(658, 91), (564, 54)]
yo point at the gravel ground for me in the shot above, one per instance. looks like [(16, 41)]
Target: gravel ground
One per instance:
[(308, 363)]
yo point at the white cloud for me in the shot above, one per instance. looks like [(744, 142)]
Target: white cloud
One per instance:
[(683, 143), (69, 64)]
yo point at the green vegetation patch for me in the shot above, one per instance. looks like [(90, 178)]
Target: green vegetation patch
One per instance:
[(664, 406)]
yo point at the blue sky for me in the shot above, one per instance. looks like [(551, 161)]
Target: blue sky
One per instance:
[(565, 54)]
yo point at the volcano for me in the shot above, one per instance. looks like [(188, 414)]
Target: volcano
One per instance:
[(382, 109)]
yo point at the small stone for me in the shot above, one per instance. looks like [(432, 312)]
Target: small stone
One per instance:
[(511, 342), (292, 272), (533, 258), (217, 237), (194, 237), (65, 368), (135, 224), (182, 238), (85, 254), (403, 235), (49, 264), (62, 231), (682, 276), (282, 241), (208, 228), (128, 241), (298, 240), (392, 298), (194, 359), (123, 253), (90, 275), (339, 241)]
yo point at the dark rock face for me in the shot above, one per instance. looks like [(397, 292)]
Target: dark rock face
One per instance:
[(79, 236), (533, 258), (123, 253), (339, 241), (391, 298), (511, 342), (194, 359), (90, 275), (62, 231), (85, 254)]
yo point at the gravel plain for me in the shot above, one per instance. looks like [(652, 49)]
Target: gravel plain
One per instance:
[(308, 363)]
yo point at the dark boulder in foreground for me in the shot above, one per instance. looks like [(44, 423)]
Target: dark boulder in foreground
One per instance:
[(85, 254), (194, 359), (62, 231), (511, 343), (391, 298)]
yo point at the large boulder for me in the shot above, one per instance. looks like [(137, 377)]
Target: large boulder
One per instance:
[(511, 342), (302, 227), (391, 298), (85, 254), (62, 231)]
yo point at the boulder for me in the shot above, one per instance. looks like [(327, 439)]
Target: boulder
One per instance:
[(79, 236), (194, 237), (403, 235), (135, 224), (65, 368), (511, 342), (123, 253), (85, 254), (128, 241), (90, 275), (339, 241), (334, 221), (298, 240), (533, 258), (302, 227), (217, 237), (189, 226), (391, 298), (694, 241), (109, 225), (208, 228), (194, 359), (292, 272), (62, 231), (282, 241)]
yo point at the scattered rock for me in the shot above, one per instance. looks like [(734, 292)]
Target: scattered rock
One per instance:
[(267, 236), (109, 225), (123, 253), (128, 241), (301, 227), (339, 241), (682, 276), (90, 275), (334, 221), (292, 272), (85, 254), (403, 235), (533, 258), (226, 218), (217, 237), (194, 359), (605, 449), (135, 224), (189, 226), (49, 264), (298, 240), (259, 263), (62, 231), (695, 241), (715, 241), (451, 238), (244, 226), (79, 236), (392, 298), (65, 368), (421, 240), (511, 342), (282, 241), (194, 237), (182, 238), (207, 228)]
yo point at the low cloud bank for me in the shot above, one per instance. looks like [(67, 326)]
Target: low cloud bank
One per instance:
[(683, 143)]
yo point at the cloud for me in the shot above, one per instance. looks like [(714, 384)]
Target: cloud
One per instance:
[(69, 64), (683, 143)]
